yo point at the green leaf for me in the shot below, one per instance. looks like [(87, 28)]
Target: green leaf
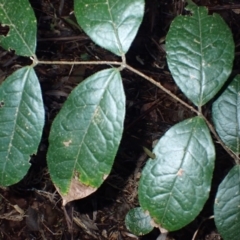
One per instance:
[(226, 115), (111, 24), (18, 15), (86, 133), (175, 185), (21, 123), (227, 206), (138, 222), (200, 53)]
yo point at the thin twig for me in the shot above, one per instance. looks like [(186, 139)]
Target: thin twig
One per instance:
[(196, 232), (70, 38), (80, 62), (223, 7), (229, 151), (159, 85)]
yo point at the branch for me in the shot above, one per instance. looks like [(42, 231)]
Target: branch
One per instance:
[(159, 85), (79, 62), (198, 112), (123, 64)]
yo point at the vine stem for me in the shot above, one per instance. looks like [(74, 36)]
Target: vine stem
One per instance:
[(198, 112), (159, 85), (123, 65), (229, 151), (79, 62)]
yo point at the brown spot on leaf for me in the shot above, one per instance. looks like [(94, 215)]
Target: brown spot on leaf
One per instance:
[(105, 176), (180, 172), (147, 213), (76, 191), (67, 143), (152, 223)]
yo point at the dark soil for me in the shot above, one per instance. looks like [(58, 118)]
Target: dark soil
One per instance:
[(32, 208)]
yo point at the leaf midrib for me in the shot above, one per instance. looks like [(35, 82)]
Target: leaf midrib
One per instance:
[(24, 78), (201, 63), (115, 29), (182, 162), (90, 123)]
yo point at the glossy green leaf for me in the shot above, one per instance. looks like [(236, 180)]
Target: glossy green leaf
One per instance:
[(200, 53), (85, 135), (138, 222), (226, 115), (227, 206), (21, 123), (18, 15), (111, 24), (175, 185)]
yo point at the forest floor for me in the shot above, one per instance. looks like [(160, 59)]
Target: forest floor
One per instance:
[(32, 208)]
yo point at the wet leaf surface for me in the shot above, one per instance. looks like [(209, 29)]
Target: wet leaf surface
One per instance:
[(226, 115), (176, 184), (21, 123), (200, 53), (111, 24), (84, 148), (150, 113), (19, 17)]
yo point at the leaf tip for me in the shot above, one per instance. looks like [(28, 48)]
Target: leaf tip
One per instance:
[(76, 191)]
